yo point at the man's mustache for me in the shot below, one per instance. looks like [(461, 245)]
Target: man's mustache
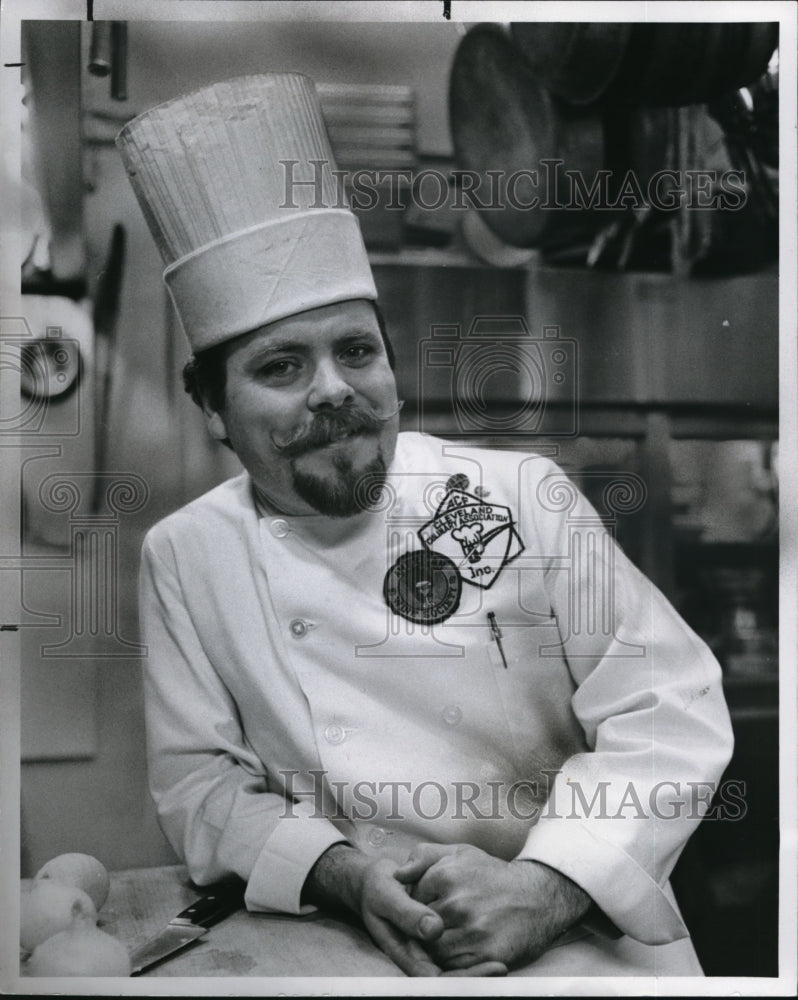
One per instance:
[(329, 426)]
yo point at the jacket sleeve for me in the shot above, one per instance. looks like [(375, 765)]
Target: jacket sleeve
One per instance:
[(650, 700), (211, 790)]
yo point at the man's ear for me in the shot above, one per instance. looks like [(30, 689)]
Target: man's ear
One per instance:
[(215, 422)]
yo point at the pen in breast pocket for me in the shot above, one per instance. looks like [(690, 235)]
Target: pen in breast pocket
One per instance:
[(496, 632)]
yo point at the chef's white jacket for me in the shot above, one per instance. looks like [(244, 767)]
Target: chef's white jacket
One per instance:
[(291, 704)]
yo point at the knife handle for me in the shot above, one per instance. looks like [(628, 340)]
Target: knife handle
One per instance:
[(213, 907)]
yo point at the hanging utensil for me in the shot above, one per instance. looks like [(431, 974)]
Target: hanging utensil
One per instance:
[(100, 48), (105, 316), (119, 60), (108, 55)]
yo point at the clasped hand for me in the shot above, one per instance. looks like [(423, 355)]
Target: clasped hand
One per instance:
[(472, 914)]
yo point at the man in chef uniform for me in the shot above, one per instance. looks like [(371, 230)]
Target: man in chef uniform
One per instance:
[(385, 671)]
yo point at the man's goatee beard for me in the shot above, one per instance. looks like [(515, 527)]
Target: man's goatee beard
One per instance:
[(347, 491)]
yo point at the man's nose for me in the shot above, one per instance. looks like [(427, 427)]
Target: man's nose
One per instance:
[(329, 387)]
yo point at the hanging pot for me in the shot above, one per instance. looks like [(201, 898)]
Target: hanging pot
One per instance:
[(519, 141), (574, 61), (676, 64)]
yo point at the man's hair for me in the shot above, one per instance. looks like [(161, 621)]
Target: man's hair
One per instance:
[(205, 373)]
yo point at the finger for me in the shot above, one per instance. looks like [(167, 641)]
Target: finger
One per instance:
[(462, 961), (424, 856), (456, 942), (404, 952), (481, 969), (428, 889), (413, 918)]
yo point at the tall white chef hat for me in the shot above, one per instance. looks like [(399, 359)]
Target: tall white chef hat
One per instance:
[(245, 243)]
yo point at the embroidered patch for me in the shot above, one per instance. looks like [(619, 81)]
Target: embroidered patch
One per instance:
[(423, 587), (479, 537)]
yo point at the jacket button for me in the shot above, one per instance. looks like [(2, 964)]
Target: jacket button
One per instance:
[(279, 528), (452, 715), (376, 837), (298, 628), (334, 734)]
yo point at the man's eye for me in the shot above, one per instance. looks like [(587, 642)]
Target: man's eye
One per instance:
[(358, 354), (278, 369)]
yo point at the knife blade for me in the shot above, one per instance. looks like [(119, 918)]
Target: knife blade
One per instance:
[(189, 925)]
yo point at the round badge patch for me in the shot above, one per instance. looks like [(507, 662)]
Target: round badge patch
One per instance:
[(423, 587), (459, 481)]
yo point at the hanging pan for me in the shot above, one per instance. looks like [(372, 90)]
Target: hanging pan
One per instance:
[(518, 142)]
